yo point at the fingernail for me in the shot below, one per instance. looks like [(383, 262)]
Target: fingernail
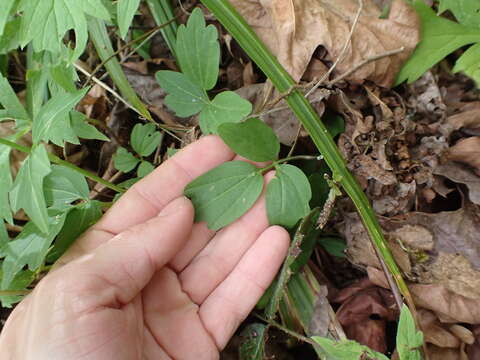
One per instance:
[(174, 206)]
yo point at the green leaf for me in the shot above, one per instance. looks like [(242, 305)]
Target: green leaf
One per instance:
[(226, 107), (409, 340), (10, 39), (467, 12), (64, 74), (64, 186), (252, 139), (347, 350), (6, 7), (253, 345), (83, 129), (10, 101), (124, 160), (4, 238), (469, 63), (144, 169), (126, 10), (19, 282), (145, 139), (29, 248), (334, 246), (27, 190), (440, 37), (288, 196), (144, 49), (5, 184), (53, 120), (78, 219), (184, 97), (198, 50), (45, 22), (225, 193)]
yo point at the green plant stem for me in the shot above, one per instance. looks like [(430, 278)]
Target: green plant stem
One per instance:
[(14, 292), (287, 159), (55, 159), (253, 46)]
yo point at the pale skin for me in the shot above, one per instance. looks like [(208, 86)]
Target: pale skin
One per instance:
[(145, 282)]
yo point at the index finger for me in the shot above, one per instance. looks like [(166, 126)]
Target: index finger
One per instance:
[(146, 198)]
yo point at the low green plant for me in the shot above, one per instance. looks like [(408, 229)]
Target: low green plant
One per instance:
[(440, 37), (225, 193)]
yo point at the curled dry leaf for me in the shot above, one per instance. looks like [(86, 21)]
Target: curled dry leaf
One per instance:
[(467, 151), (461, 174), (448, 306), (360, 302), (435, 249), (293, 29)]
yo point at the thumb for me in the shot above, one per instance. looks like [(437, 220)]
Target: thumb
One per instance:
[(119, 269)]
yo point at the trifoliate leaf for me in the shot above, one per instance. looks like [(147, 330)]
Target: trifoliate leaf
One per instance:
[(124, 160), (53, 120), (226, 107), (83, 129), (64, 186), (29, 248), (145, 139), (409, 340), (19, 282), (27, 190), (10, 101), (184, 97), (144, 169), (198, 51), (5, 184), (225, 193), (469, 63), (440, 37), (78, 219), (253, 345), (288, 196), (347, 350), (467, 12), (252, 139), (45, 22), (126, 10)]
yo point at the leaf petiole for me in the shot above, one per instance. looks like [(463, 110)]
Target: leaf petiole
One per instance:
[(287, 159)]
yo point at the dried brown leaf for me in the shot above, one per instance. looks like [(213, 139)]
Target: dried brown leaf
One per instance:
[(461, 174), (293, 29), (467, 151)]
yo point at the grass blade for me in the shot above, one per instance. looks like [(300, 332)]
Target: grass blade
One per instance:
[(103, 45), (162, 13)]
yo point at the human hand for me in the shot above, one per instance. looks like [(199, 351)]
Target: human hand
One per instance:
[(147, 283)]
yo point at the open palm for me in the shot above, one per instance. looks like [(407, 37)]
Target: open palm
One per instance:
[(147, 283)]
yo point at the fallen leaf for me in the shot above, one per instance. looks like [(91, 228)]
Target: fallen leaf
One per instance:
[(364, 312), (448, 306), (467, 151), (459, 173), (293, 29)]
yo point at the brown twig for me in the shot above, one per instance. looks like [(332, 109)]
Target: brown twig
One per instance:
[(342, 53), (365, 62)]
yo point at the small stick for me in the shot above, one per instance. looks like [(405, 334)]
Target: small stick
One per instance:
[(365, 62), (342, 53)]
